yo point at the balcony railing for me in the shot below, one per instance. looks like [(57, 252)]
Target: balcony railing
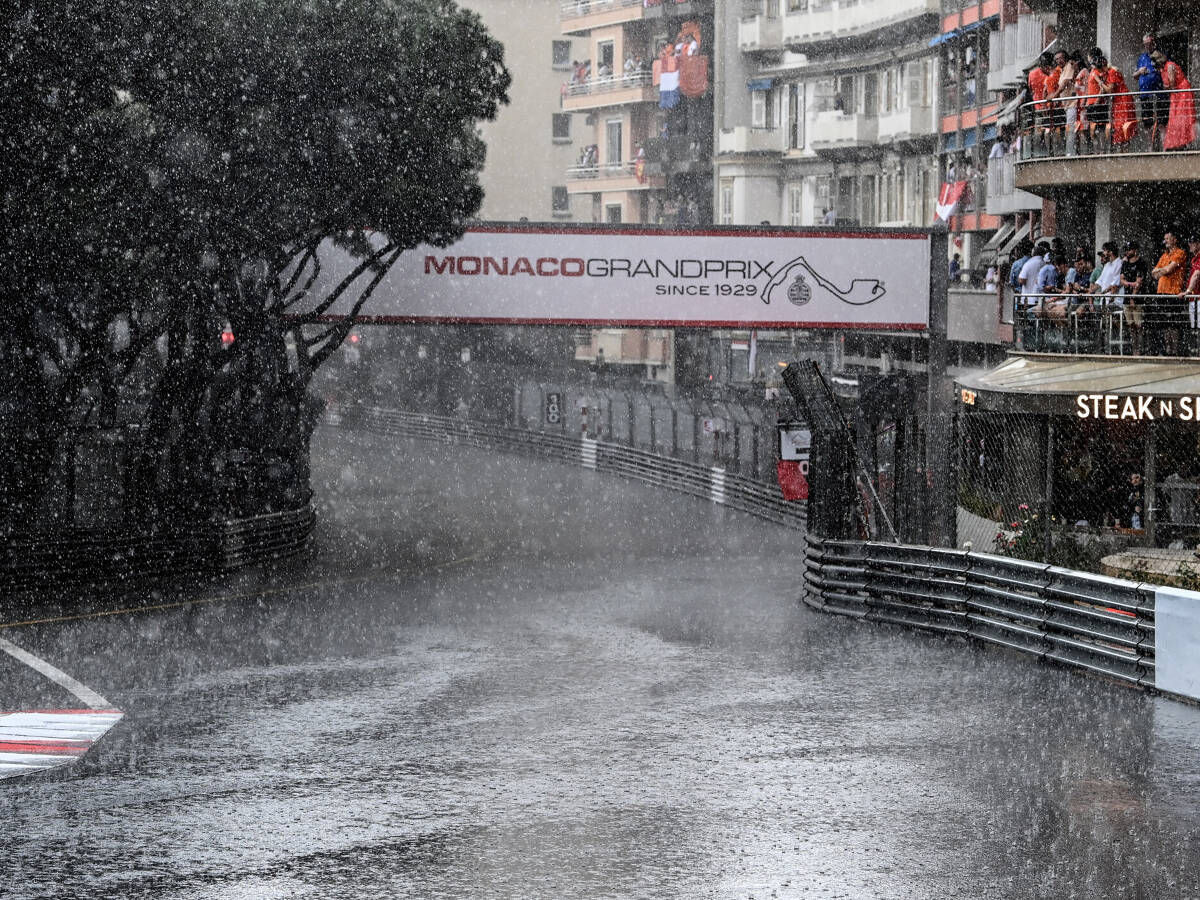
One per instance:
[(756, 33), (1003, 195), (831, 22), (602, 84), (1013, 49), (1109, 125), (1108, 324), (575, 9), (752, 140)]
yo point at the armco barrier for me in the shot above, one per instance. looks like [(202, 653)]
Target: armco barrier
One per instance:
[(1103, 625), (79, 557), (715, 484)]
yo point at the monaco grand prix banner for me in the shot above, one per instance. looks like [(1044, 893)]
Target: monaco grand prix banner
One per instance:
[(760, 278)]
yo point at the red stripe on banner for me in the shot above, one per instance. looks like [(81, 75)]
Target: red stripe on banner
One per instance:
[(778, 231), (62, 712), (633, 323), (46, 748)]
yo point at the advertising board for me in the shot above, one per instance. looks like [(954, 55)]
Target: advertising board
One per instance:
[(640, 277)]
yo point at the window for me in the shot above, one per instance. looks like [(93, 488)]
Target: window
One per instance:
[(824, 191), (604, 59), (612, 145), (612, 213), (760, 109), (772, 9), (795, 117), (560, 54), (795, 204), (797, 6), (561, 127), (560, 201), (726, 201)]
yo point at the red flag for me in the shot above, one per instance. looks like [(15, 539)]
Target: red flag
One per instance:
[(792, 482), (951, 194)]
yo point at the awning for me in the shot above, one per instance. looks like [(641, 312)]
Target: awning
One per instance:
[(1015, 238), (1008, 112), (1003, 233), (959, 32), (760, 84), (989, 132), (1051, 384)]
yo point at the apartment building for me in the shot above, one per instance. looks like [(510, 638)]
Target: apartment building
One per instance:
[(827, 111), (640, 82), (531, 144)]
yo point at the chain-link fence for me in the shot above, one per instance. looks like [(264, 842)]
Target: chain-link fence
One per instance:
[(1072, 492)]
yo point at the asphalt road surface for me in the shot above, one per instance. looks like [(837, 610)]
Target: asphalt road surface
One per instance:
[(504, 678)]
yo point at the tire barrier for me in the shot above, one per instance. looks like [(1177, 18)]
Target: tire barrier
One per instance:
[(91, 557), (715, 484), (1137, 633)]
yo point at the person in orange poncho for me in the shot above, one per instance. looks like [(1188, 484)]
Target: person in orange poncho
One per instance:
[(1181, 121), (1108, 81)]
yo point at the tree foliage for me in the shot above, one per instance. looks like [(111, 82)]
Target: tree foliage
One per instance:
[(173, 169)]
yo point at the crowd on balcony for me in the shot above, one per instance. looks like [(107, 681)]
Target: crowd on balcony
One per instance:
[(1084, 303), (1080, 104)]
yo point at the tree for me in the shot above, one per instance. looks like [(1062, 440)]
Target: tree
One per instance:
[(228, 143)]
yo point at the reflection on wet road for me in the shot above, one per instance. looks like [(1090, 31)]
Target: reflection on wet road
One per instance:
[(500, 678)]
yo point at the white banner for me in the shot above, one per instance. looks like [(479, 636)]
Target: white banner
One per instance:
[(1177, 641), (605, 276)]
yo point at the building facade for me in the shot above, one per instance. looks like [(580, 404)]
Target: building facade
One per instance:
[(640, 83)]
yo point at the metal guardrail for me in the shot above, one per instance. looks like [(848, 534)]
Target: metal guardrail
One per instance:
[(1109, 324), (711, 482), (1091, 622), (94, 557)]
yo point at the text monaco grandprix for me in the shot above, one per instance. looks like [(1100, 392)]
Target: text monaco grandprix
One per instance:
[(576, 267)]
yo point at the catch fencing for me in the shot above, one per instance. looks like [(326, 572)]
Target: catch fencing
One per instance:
[(713, 483), (1102, 625)]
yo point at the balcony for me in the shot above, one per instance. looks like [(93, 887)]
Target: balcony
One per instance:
[(752, 140), (581, 16), (828, 24), (974, 316), (1014, 49), (757, 34), (906, 126), (613, 177), (1104, 325), (1053, 156), (840, 135), (611, 90), (1003, 195)]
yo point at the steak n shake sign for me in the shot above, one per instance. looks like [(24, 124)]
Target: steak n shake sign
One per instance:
[(1137, 407), (731, 277)]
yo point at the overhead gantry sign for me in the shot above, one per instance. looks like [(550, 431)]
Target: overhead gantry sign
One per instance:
[(608, 276)]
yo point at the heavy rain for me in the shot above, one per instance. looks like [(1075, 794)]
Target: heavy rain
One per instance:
[(599, 448)]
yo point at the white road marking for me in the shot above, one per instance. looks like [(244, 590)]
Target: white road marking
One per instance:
[(34, 740), (89, 697)]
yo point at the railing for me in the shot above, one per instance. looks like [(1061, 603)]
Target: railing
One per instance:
[(1107, 125), (711, 482), (573, 9), (102, 557), (1091, 622), (1108, 324), (605, 83), (603, 170)]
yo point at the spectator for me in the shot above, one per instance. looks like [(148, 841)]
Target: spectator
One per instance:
[(1111, 109), (1169, 312), (1180, 105), (1038, 91), (1067, 67), (1191, 291), (1133, 283), (1153, 109), (1027, 279), (955, 267)]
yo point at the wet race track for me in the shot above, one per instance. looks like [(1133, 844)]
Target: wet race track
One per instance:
[(504, 678)]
